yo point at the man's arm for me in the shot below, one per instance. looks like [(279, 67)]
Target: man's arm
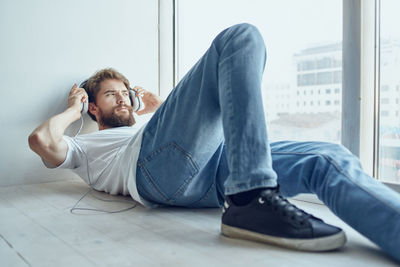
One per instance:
[(46, 140)]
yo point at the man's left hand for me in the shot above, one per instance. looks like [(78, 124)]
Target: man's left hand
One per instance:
[(150, 100)]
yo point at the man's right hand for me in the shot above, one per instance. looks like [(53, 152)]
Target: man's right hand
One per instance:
[(76, 97), (47, 139)]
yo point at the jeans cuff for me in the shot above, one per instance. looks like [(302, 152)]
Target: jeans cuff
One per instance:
[(241, 187)]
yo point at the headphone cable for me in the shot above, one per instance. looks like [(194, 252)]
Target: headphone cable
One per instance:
[(91, 186)]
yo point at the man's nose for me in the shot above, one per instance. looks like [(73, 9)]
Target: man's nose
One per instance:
[(120, 99)]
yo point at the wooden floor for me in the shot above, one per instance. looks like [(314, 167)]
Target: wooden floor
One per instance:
[(37, 229)]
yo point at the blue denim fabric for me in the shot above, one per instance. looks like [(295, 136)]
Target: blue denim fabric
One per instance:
[(209, 139)]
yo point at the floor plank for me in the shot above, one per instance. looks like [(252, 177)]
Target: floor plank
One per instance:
[(38, 229)]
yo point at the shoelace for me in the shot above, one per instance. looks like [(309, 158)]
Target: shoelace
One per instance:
[(286, 208)]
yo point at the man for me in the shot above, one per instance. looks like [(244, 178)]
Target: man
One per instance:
[(207, 146)]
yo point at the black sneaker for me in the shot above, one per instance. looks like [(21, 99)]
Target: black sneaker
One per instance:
[(270, 218)]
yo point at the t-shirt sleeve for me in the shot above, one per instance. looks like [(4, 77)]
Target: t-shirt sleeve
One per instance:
[(74, 158)]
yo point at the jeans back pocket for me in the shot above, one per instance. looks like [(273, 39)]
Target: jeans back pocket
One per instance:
[(167, 172)]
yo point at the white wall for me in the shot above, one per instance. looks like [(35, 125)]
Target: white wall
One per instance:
[(45, 47)]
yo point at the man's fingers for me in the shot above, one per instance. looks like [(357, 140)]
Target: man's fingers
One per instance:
[(73, 88), (75, 91), (139, 91), (78, 91)]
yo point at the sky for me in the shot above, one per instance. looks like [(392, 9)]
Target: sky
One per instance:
[(390, 19), (288, 26)]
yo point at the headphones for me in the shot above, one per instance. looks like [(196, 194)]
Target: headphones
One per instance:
[(136, 101)]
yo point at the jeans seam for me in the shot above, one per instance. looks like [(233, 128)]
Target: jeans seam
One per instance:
[(181, 188), (142, 191), (148, 176), (230, 108), (229, 93), (334, 163), (204, 196)]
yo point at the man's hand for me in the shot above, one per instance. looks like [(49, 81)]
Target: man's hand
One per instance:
[(150, 100), (76, 97)]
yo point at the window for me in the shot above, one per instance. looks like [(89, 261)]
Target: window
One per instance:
[(307, 79), (308, 55), (384, 113), (324, 63), (337, 77), (384, 88), (324, 77), (306, 65), (337, 63), (389, 128)]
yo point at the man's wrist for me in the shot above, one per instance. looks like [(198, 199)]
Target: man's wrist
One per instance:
[(73, 113)]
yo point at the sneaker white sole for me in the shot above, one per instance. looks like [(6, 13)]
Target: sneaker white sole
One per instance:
[(311, 244)]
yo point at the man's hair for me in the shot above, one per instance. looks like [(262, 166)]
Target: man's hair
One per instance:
[(93, 83)]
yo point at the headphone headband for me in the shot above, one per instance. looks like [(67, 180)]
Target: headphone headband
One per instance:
[(136, 101)]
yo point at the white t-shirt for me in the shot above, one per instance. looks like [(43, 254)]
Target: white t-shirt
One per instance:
[(107, 159)]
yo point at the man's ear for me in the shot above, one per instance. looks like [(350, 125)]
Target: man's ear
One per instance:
[(93, 109)]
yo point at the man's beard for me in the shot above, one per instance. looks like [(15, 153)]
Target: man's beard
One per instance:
[(114, 120)]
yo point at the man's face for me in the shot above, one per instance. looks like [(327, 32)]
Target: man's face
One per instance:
[(113, 106)]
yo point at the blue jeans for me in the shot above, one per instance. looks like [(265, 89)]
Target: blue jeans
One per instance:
[(209, 139)]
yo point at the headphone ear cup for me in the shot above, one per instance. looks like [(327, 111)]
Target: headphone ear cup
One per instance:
[(134, 100), (85, 105)]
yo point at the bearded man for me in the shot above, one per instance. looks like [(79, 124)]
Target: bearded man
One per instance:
[(207, 146)]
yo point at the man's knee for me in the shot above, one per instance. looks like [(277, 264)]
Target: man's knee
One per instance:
[(245, 27), (340, 155), (245, 32)]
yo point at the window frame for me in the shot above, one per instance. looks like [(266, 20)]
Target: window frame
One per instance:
[(361, 83), (360, 80)]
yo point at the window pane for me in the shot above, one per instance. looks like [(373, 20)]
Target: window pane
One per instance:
[(389, 150), (304, 48)]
